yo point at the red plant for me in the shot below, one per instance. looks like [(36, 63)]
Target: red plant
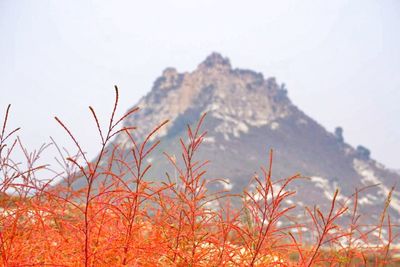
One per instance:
[(120, 217)]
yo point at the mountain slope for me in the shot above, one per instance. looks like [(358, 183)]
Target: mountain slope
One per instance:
[(246, 116)]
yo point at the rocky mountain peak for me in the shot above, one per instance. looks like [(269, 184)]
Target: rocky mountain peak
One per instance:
[(247, 115), (238, 98), (170, 78), (215, 61), (170, 73)]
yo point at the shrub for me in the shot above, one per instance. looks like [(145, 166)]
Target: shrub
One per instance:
[(120, 218)]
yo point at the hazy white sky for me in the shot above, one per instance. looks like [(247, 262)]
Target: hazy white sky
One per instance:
[(340, 60)]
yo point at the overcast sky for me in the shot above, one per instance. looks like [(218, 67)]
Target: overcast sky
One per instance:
[(340, 60)]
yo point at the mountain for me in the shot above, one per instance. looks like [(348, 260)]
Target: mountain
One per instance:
[(247, 115)]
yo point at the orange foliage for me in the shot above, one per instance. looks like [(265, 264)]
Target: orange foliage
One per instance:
[(119, 218)]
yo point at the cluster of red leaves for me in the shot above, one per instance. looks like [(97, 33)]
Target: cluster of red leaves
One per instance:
[(119, 218)]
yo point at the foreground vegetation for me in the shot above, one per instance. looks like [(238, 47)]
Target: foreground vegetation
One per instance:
[(121, 218)]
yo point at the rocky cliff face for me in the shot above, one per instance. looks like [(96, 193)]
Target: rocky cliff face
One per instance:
[(239, 98), (248, 115)]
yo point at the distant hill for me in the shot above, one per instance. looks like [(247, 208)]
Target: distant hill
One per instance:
[(248, 115)]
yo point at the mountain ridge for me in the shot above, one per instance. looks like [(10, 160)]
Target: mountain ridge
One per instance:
[(247, 115)]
